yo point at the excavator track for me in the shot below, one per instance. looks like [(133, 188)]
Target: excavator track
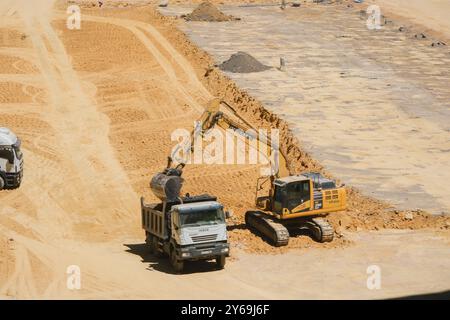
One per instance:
[(321, 229), (276, 232)]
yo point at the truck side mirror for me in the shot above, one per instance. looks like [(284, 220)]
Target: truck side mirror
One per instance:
[(228, 214)]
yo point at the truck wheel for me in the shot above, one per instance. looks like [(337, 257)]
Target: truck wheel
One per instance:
[(177, 264), (154, 247), (149, 241), (2, 183), (152, 242), (220, 262)]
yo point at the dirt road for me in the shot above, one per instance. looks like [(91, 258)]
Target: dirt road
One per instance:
[(95, 108)]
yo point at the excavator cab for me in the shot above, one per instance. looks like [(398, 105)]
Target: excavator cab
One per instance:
[(285, 194), (293, 195), (302, 195)]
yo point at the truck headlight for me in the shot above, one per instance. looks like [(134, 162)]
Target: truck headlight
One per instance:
[(185, 254), (224, 250)]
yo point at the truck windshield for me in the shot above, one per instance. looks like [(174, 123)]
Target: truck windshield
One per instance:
[(7, 153), (204, 217)]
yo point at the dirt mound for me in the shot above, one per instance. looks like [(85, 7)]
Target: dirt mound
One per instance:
[(242, 62), (206, 11)]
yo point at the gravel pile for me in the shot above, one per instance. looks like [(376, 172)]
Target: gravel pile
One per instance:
[(242, 62)]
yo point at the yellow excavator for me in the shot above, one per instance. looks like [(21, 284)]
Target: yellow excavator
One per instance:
[(295, 203), (284, 203)]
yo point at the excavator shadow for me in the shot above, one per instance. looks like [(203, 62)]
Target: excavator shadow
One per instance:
[(162, 264)]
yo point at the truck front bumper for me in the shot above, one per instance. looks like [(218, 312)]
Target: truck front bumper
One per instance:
[(13, 180), (204, 251)]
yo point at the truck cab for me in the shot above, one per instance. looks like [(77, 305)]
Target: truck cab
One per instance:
[(11, 160), (199, 229), (187, 229)]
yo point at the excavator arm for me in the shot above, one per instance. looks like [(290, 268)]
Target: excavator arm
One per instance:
[(220, 114)]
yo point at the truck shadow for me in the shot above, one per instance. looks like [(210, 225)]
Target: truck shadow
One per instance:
[(162, 263)]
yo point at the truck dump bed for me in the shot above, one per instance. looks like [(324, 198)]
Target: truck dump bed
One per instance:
[(154, 215), (153, 219)]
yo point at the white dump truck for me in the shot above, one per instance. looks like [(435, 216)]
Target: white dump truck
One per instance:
[(186, 228), (11, 160)]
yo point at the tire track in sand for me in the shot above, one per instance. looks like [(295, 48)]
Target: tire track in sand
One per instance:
[(76, 120), (136, 28), (82, 132)]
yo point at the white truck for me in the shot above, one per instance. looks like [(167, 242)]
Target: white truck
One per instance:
[(185, 228), (11, 160)]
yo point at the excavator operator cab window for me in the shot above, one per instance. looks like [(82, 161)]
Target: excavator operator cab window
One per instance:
[(298, 193)]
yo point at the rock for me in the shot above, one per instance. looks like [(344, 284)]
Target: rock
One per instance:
[(409, 216), (163, 3), (420, 36), (438, 43)]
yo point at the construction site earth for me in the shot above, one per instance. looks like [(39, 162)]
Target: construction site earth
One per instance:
[(95, 108)]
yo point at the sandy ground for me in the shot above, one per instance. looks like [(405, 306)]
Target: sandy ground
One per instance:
[(431, 14), (95, 108)]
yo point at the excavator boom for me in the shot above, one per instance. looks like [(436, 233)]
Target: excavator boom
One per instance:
[(221, 114)]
